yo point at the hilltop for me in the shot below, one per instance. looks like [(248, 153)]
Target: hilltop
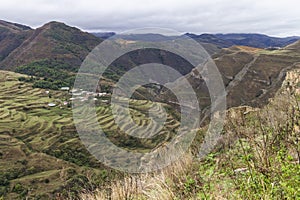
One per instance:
[(54, 42), (43, 157)]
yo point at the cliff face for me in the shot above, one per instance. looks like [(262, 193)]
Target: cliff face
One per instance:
[(292, 81)]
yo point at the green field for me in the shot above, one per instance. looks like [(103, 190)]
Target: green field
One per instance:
[(41, 153)]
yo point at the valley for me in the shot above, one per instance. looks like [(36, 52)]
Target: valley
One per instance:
[(40, 149), (43, 157)]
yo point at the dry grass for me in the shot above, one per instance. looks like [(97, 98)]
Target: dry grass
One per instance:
[(158, 185), (248, 49), (258, 159)]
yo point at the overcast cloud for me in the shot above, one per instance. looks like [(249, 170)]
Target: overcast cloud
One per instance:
[(278, 18)]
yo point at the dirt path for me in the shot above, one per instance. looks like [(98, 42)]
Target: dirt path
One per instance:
[(239, 76)]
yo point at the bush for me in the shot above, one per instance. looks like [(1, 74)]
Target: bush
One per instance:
[(20, 189), (268, 147), (55, 74)]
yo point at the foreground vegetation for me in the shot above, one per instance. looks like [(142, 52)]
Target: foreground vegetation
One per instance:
[(42, 156), (257, 158)]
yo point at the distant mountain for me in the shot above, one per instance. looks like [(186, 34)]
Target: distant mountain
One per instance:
[(211, 39), (257, 40), (152, 37), (104, 35), (55, 52), (210, 46), (213, 43), (251, 40), (219, 40)]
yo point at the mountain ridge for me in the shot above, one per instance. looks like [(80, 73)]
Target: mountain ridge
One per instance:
[(246, 39), (221, 40), (57, 50), (16, 40), (41, 153)]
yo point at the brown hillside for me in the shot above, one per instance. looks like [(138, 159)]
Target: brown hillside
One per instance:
[(53, 41), (12, 36)]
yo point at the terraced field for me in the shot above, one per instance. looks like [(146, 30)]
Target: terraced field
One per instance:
[(41, 153)]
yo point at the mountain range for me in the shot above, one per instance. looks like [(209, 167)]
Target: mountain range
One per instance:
[(41, 153), (58, 42), (55, 52), (251, 40)]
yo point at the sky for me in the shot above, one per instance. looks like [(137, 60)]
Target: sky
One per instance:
[(272, 17)]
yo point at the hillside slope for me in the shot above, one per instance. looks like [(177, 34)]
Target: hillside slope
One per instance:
[(54, 42), (258, 157), (41, 154), (251, 76), (12, 36)]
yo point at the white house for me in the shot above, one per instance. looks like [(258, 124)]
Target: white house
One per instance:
[(65, 88)]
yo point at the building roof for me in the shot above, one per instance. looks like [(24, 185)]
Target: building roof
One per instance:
[(65, 88)]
